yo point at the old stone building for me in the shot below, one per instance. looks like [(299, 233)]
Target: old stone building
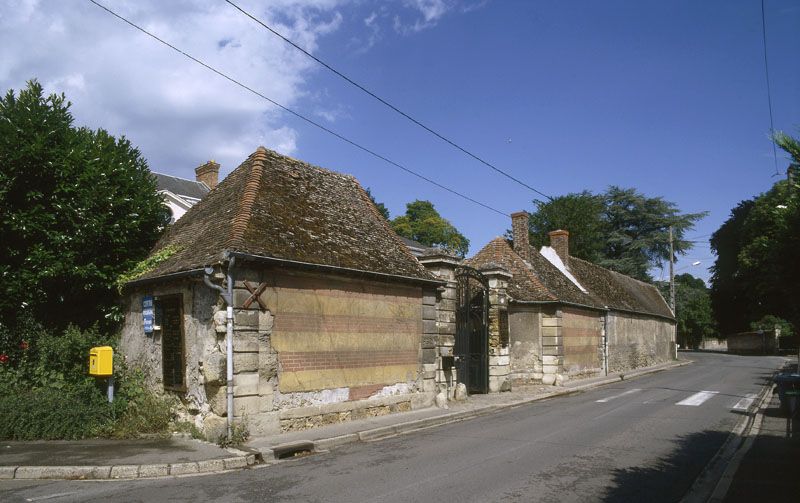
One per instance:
[(568, 318), (333, 318)]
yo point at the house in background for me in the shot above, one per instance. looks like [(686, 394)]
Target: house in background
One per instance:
[(567, 318), (180, 194)]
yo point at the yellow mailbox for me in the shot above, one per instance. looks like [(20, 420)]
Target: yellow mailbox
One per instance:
[(101, 361)]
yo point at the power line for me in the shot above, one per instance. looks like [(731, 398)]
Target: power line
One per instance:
[(297, 114), (384, 102), (769, 92)]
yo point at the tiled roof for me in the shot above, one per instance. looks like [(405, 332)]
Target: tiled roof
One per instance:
[(541, 281), (277, 207), (181, 186)]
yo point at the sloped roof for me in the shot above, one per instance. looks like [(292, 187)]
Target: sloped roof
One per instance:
[(181, 186), (277, 207), (541, 281)]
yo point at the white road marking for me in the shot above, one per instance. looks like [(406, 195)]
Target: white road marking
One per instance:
[(698, 398), (745, 402), (608, 399), (48, 497)]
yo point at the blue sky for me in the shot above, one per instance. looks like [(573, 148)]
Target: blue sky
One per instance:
[(666, 97)]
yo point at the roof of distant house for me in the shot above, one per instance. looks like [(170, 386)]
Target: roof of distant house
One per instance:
[(541, 281), (181, 186), (276, 207), (417, 249)]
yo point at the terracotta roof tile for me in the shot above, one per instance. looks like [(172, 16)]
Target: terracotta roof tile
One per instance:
[(278, 207)]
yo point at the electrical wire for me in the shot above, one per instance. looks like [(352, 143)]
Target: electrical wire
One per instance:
[(386, 103), (769, 92), (297, 114)]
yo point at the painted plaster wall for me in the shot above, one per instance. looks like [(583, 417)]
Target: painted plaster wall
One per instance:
[(638, 341), (525, 345), (582, 334)]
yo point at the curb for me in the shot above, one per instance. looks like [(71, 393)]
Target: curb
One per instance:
[(120, 472), (382, 432)]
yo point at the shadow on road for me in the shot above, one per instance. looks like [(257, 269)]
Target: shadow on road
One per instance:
[(659, 482)]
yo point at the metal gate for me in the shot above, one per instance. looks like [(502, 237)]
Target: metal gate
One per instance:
[(472, 330)]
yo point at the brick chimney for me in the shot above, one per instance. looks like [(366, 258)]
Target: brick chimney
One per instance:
[(208, 173), (519, 230), (559, 241)]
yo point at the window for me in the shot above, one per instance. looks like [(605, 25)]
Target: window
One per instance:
[(169, 323)]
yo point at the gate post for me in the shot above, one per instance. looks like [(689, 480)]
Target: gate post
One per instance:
[(499, 359), (439, 327)]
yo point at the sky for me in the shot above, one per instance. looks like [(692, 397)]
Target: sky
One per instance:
[(668, 97)]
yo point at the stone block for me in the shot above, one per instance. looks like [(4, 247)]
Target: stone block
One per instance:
[(240, 296), (447, 328), (550, 369), (429, 327), (552, 350), (449, 293), (551, 322), (447, 305), (210, 466), (549, 379), (245, 384), (447, 340), (214, 368), (551, 360), (552, 341), (499, 360), (7, 472), (214, 427), (428, 312), (246, 405), (235, 463), (498, 383), (160, 470), (445, 316), (265, 321), (428, 297), (183, 468), (124, 472), (429, 367), (245, 362), (429, 356), (246, 319), (550, 332), (430, 341), (498, 371), (245, 342), (217, 398)]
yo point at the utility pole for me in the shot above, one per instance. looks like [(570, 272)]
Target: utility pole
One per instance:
[(672, 284), (671, 272)]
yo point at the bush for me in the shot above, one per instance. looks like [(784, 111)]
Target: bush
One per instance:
[(45, 392)]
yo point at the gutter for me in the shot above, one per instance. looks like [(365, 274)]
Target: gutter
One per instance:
[(165, 277), (332, 268), (593, 308)]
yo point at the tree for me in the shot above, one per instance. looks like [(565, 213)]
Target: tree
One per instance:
[(694, 316), (757, 272), (382, 209), (77, 208), (423, 223), (771, 322), (620, 229)]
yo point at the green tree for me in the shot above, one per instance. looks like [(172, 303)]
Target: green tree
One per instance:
[(757, 272), (382, 209), (620, 229), (694, 316), (424, 224), (77, 208), (771, 322)]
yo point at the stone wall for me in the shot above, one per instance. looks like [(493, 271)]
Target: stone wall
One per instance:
[(638, 341), (753, 343), (582, 334), (525, 348)]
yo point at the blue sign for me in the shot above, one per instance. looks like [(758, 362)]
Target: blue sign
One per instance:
[(147, 314)]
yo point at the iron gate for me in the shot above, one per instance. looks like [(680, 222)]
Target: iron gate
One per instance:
[(471, 349)]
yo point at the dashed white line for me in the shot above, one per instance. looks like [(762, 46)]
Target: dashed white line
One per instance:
[(745, 402), (698, 398), (608, 399)]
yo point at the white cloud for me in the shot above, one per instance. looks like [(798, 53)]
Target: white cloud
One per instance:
[(178, 113)]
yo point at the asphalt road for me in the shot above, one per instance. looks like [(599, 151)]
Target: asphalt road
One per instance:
[(645, 439)]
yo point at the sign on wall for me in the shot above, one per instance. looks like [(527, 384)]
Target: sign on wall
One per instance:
[(148, 314)]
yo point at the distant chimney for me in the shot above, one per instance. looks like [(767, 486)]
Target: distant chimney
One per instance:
[(519, 229), (208, 173), (559, 241)]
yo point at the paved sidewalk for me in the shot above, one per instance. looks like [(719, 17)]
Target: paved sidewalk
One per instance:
[(333, 436), (146, 458), (770, 470), (116, 459)]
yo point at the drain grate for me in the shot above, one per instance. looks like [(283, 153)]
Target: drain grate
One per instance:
[(293, 450)]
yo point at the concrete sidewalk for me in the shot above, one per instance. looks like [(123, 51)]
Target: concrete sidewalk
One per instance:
[(116, 459), (770, 468), (330, 437), (146, 458)]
